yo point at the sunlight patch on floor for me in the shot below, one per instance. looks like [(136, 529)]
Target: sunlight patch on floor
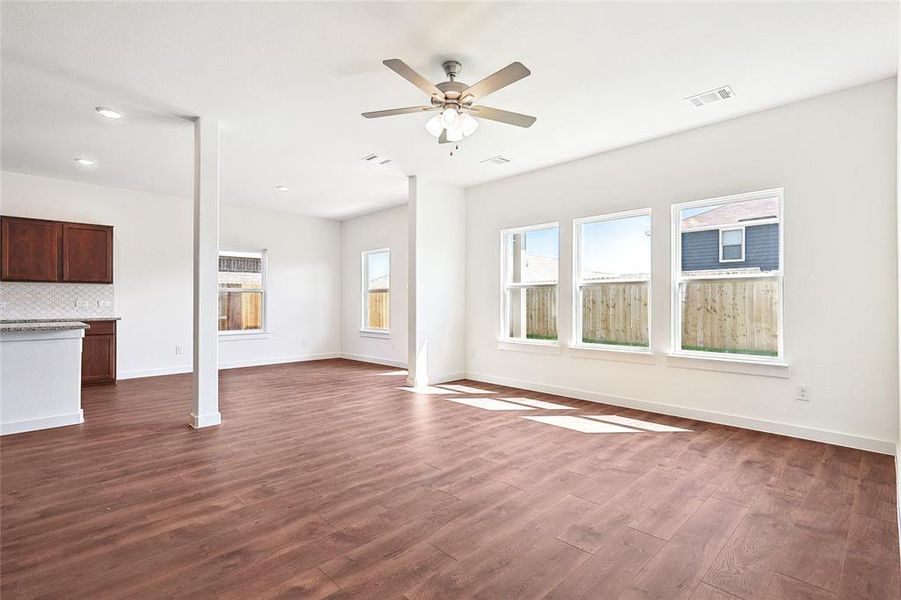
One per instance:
[(465, 389), (394, 373), (429, 389), (490, 404), (540, 404), (582, 425), (637, 423)]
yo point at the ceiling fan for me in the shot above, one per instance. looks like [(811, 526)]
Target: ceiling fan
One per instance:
[(455, 102)]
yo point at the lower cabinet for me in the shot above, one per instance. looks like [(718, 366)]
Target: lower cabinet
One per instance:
[(98, 353)]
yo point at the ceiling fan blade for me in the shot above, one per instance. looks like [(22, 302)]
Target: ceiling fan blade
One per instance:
[(502, 116), (405, 71), (397, 111), (443, 139), (509, 74)]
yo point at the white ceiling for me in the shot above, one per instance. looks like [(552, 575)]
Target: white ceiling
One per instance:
[(288, 81)]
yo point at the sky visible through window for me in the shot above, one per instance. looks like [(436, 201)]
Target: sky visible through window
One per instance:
[(616, 247), (378, 264), (543, 242)]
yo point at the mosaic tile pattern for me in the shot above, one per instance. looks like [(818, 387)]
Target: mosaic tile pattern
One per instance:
[(55, 300)]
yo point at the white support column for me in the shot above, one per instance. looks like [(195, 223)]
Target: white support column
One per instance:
[(206, 267), (437, 284)]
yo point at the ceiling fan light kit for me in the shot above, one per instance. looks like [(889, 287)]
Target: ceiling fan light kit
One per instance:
[(454, 101)]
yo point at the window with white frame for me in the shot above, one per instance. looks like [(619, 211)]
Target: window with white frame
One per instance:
[(376, 290), (728, 268), (242, 288), (732, 245), (612, 267), (529, 271)]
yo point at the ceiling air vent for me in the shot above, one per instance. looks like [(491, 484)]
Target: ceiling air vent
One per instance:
[(376, 159), (496, 160), (721, 93)]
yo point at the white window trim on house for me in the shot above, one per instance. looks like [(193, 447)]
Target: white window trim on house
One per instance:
[(676, 351), (741, 244), (503, 339), (577, 343), (366, 331), (251, 334)]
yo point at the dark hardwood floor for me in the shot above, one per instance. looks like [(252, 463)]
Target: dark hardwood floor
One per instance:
[(327, 480)]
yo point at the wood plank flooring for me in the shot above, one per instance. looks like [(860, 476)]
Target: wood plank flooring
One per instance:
[(326, 480)]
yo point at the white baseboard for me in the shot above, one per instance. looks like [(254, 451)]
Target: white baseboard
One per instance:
[(375, 360), (439, 379), (798, 431), (277, 361), (138, 373), (226, 365), (42, 423)]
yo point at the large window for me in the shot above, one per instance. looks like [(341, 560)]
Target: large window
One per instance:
[(530, 257), (242, 285), (612, 266), (727, 288), (376, 290)]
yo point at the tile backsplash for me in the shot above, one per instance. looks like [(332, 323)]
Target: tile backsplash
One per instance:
[(56, 300)]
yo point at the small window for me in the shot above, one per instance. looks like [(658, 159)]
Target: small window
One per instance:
[(376, 290), (732, 245), (241, 291), (613, 279), (727, 284), (530, 257)]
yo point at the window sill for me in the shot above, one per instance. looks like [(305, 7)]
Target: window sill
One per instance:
[(621, 353), (537, 346), (234, 336), (747, 366), (382, 334)]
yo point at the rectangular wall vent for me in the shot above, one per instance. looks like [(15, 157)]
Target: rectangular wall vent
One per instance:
[(496, 160), (376, 159), (704, 98)]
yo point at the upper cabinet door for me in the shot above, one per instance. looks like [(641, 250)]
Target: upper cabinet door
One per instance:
[(87, 253), (30, 249)]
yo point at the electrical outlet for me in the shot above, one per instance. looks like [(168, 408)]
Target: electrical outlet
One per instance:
[(303, 341), (179, 350), (803, 394)]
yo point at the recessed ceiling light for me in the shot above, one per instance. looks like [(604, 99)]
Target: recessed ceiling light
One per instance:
[(281, 188), (109, 113), (86, 162)]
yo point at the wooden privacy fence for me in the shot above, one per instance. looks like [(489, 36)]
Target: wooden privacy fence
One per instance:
[(378, 309), (615, 313), (240, 310), (731, 315), (721, 315), (541, 313)]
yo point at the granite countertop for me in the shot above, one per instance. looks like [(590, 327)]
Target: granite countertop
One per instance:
[(57, 320), (41, 326)]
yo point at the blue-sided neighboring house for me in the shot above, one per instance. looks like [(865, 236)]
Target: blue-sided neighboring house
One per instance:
[(734, 237)]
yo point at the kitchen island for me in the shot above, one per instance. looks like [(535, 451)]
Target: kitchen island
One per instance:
[(40, 375)]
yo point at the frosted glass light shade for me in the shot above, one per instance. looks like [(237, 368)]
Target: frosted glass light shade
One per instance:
[(454, 134), (468, 124), (450, 117), (434, 125)]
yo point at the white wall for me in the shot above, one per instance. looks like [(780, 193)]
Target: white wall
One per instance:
[(383, 229), (437, 281), (835, 157), (152, 271)]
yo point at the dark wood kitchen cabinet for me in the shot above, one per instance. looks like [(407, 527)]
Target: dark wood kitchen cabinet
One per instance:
[(87, 253), (98, 353), (30, 249), (39, 250)]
